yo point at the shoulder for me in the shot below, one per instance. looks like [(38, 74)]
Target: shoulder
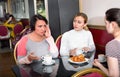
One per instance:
[(24, 38), (68, 33), (87, 31), (111, 43), (112, 48)]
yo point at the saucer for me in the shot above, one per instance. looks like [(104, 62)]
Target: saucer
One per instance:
[(53, 62), (102, 61)]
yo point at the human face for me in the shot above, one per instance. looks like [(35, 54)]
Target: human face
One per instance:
[(40, 27), (109, 26), (78, 23)]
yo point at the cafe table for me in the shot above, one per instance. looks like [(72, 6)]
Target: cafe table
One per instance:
[(61, 68)]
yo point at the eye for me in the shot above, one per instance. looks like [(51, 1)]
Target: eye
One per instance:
[(40, 26), (79, 22), (45, 25)]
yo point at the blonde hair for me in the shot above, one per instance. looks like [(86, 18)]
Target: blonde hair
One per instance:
[(86, 28)]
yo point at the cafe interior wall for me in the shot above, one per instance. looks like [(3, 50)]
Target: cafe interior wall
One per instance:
[(20, 8), (95, 9)]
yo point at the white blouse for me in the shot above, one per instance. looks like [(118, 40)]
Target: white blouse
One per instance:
[(76, 39)]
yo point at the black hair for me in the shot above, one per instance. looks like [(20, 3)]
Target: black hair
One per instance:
[(34, 20), (113, 14), (7, 16)]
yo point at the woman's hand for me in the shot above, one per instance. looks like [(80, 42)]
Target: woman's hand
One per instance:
[(32, 57), (48, 32), (96, 63), (73, 52), (86, 49)]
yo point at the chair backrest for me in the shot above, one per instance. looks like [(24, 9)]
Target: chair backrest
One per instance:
[(58, 41), (84, 72), (25, 22), (3, 30), (17, 29), (15, 52), (19, 36)]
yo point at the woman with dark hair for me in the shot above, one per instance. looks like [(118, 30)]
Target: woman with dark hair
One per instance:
[(10, 19), (79, 39), (38, 41), (112, 20)]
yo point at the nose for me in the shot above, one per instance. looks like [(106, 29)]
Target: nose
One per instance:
[(44, 28), (75, 22)]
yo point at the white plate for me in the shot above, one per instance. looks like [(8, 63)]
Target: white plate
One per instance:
[(86, 60), (53, 61)]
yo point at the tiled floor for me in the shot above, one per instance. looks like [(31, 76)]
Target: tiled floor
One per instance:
[(6, 62)]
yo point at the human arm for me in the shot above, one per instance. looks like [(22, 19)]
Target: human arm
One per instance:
[(113, 67), (64, 49), (53, 48), (27, 59), (99, 65), (112, 51), (8, 21), (22, 56), (73, 52), (87, 43), (112, 70), (91, 45)]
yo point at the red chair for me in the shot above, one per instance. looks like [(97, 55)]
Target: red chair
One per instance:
[(58, 42), (5, 34), (15, 52), (89, 72), (25, 22), (17, 29)]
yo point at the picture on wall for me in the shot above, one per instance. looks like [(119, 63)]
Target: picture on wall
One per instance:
[(40, 4)]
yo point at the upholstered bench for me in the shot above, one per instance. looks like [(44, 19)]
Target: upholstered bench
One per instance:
[(101, 38)]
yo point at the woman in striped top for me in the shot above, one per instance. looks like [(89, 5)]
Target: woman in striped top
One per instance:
[(112, 20)]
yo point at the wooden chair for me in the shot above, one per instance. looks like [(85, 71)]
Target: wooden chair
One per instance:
[(5, 34), (15, 52), (17, 29), (25, 22), (88, 71), (58, 41)]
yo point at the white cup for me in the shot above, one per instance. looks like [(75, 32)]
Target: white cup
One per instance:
[(48, 69), (47, 59), (79, 51), (101, 57)]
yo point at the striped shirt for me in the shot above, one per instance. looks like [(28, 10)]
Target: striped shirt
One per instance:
[(113, 50)]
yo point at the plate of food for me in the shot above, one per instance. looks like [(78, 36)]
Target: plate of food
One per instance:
[(79, 59)]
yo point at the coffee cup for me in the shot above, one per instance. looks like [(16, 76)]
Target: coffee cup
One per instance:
[(47, 59), (79, 51), (101, 57)]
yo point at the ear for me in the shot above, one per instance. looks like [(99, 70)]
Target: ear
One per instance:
[(113, 24)]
